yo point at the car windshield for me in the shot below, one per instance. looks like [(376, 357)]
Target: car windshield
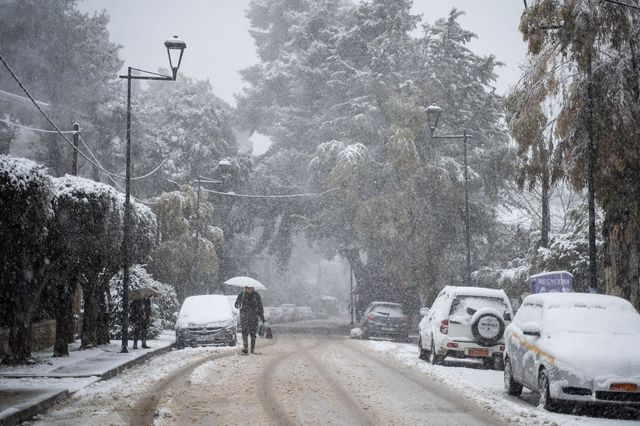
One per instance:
[(593, 319), (389, 310), (203, 309), (462, 303)]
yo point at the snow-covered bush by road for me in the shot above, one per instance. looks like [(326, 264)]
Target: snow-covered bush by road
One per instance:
[(163, 307)]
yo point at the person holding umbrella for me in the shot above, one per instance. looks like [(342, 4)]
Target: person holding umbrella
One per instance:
[(251, 310)]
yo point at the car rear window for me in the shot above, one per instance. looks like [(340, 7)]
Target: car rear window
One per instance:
[(460, 305), (390, 310)]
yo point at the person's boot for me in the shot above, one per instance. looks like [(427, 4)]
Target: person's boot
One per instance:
[(245, 343), (253, 344), (144, 345), (135, 344)]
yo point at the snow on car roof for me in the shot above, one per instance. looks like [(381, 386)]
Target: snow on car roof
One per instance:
[(557, 300), (386, 303), (475, 291), (205, 308)]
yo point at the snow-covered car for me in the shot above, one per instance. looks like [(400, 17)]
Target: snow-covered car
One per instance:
[(205, 320), (385, 319), (574, 347), (465, 322)]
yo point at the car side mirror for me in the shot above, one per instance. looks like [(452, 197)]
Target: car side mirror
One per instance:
[(531, 329), (471, 311), (424, 311), (507, 316)]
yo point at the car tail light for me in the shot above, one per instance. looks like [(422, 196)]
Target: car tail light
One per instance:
[(452, 345), (404, 319), (444, 326), (371, 317)]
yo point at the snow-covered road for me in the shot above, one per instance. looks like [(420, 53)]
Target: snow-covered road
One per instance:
[(304, 380), (487, 389)]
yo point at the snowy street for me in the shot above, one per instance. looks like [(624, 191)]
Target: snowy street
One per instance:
[(298, 379), (295, 380)]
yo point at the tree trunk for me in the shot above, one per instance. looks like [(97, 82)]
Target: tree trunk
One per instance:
[(19, 341), (103, 316), (64, 317), (545, 228), (89, 336), (620, 233)]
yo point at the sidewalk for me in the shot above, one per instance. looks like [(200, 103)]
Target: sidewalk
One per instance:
[(27, 390)]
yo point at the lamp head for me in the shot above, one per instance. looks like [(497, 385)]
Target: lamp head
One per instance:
[(175, 49), (433, 115)]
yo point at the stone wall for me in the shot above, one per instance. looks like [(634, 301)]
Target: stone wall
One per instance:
[(43, 335)]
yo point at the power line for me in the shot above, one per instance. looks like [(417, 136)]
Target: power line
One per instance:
[(119, 176), (35, 103), (58, 131), (22, 126), (310, 194), (20, 98), (232, 194)]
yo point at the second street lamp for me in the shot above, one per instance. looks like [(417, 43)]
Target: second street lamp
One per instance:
[(175, 49), (433, 115)]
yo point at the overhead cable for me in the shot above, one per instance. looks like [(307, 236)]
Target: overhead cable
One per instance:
[(22, 126), (20, 98)]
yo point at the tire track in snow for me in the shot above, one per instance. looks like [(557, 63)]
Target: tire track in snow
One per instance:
[(346, 398), (145, 409), (267, 396), (461, 405)]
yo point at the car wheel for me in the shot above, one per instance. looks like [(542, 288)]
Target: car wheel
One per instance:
[(488, 329), (488, 363), (233, 342), (511, 386), (179, 344), (365, 334), (423, 353), (434, 358), (546, 401)]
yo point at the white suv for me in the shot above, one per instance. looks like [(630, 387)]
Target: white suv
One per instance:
[(465, 322)]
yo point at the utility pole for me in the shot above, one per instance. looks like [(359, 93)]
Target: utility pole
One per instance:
[(591, 160), (352, 308), (466, 213), (74, 158)]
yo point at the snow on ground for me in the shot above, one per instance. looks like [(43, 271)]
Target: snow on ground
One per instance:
[(109, 401), (487, 389)]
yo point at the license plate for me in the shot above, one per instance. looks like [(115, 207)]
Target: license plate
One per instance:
[(204, 338), (624, 387), (478, 352), (386, 328)]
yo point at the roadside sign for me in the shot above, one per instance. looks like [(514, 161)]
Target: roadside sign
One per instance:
[(551, 282)]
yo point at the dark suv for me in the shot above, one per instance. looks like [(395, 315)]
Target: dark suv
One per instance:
[(385, 319)]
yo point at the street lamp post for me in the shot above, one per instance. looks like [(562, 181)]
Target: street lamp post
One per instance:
[(433, 115), (175, 49)]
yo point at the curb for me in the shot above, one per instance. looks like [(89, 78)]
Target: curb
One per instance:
[(141, 359), (18, 415)]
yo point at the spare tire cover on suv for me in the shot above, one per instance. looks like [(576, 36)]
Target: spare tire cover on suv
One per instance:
[(487, 327)]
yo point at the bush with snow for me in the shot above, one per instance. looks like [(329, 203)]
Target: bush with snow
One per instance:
[(163, 307)]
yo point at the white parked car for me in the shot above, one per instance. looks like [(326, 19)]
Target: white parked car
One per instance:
[(465, 322), (574, 347), (206, 319)]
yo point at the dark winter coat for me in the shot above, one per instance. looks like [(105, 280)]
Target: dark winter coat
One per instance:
[(251, 309)]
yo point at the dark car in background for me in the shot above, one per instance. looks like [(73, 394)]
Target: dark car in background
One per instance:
[(385, 319)]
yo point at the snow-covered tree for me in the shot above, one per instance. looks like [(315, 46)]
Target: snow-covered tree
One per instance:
[(598, 40), (26, 214)]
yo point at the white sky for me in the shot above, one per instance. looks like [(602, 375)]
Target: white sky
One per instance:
[(218, 42)]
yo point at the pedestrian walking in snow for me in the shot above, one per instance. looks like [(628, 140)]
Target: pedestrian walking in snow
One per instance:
[(251, 310), (140, 319)]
